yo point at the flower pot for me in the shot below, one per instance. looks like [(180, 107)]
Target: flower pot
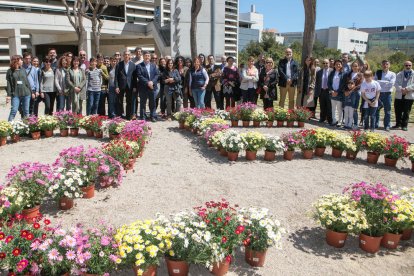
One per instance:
[(113, 136), (65, 203), (254, 258), (15, 138), (74, 132), (372, 157), (391, 240), (307, 154), (3, 141), (369, 244), (320, 152), (406, 234), (335, 239), (301, 124), (177, 268), (251, 155), (288, 155), (150, 271), (246, 123), (31, 213), (188, 128), (223, 152), (269, 123), (64, 132), (48, 133), (390, 162), (269, 155), (98, 134), (35, 135), (232, 156), (220, 269), (256, 123), (351, 155), (290, 124), (181, 125), (280, 123), (195, 131), (336, 153), (89, 133), (88, 191), (234, 123)]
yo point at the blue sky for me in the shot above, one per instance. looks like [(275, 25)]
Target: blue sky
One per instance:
[(288, 15)]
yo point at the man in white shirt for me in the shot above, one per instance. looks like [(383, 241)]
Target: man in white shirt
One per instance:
[(386, 79)]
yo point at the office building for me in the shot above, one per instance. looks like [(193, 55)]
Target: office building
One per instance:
[(250, 27)]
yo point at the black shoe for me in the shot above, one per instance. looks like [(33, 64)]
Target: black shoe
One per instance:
[(153, 120), (396, 127), (321, 121)]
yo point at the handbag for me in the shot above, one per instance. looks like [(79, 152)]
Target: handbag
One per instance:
[(227, 89)]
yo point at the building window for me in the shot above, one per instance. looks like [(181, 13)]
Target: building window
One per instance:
[(352, 40)]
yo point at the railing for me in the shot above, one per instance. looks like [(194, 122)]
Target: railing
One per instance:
[(164, 32)]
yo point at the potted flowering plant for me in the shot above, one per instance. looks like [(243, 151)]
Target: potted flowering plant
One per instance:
[(340, 215), (87, 124), (302, 115), (226, 233), (208, 122), (32, 122), (136, 130), (232, 142), (373, 199), (11, 202), (258, 116), (253, 141), (324, 138), (6, 129), (47, 123), (181, 116), (141, 244), (234, 115), (19, 129), (96, 125), (121, 151), (262, 231), (374, 143), (307, 142), (110, 171), (114, 127), (411, 156), (215, 141), (280, 116), (246, 110), (67, 186), (340, 143), (291, 142), (407, 194), (272, 145), (270, 113), (74, 124), (291, 118), (211, 130), (395, 148), (358, 140), (63, 118)]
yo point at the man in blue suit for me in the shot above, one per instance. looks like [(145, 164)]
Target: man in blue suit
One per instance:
[(147, 73), (125, 85)]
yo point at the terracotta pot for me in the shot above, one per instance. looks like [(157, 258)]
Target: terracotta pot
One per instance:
[(113, 136), (74, 132), (234, 123), (256, 123), (369, 244), (406, 234), (269, 155), (31, 213), (48, 133), (390, 162), (335, 239), (288, 155), (336, 153), (98, 134), (35, 135), (64, 132), (220, 269), (232, 156), (88, 191), (307, 154), (3, 141), (372, 157), (280, 123), (290, 124), (188, 128), (181, 125), (177, 268), (320, 152), (351, 155), (301, 124), (391, 240), (255, 258), (195, 131), (223, 152), (15, 138), (269, 123), (89, 133), (65, 203), (246, 123), (251, 155), (150, 271)]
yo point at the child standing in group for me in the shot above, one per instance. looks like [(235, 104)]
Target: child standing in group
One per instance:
[(94, 82), (349, 102), (370, 92)]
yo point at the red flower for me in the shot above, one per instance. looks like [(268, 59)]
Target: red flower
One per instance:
[(2, 236), (9, 239), (19, 216), (224, 239), (2, 255), (228, 259), (11, 274), (219, 219), (237, 232), (29, 237), (23, 233), (47, 222), (16, 252), (37, 225), (228, 218), (43, 236)]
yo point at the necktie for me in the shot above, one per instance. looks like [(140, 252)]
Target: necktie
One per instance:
[(325, 79)]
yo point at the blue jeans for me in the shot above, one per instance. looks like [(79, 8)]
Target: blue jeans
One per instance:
[(198, 95), (370, 113), (62, 99), (385, 98), (111, 102), (93, 102), (15, 104)]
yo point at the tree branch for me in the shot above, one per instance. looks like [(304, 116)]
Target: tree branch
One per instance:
[(68, 14)]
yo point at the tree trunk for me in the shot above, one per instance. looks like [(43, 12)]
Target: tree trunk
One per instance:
[(195, 10), (81, 41), (75, 17), (309, 30)]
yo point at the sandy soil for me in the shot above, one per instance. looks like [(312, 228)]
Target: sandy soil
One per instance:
[(178, 171)]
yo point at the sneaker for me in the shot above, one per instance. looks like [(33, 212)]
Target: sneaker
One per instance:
[(405, 128), (387, 129)]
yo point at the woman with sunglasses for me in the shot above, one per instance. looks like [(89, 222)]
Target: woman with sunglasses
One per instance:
[(268, 80), (47, 88)]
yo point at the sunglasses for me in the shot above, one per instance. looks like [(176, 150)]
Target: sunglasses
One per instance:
[(269, 62), (407, 65), (325, 63)]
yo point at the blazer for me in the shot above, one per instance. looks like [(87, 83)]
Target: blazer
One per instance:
[(124, 80), (342, 81), (60, 81), (318, 81), (71, 83), (410, 86), (294, 68), (143, 77), (270, 80), (17, 83)]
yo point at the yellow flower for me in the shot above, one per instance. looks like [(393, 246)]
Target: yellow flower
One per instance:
[(171, 252)]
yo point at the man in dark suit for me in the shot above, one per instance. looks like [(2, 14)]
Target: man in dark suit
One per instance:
[(322, 91), (147, 73), (125, 85), (288, 78)]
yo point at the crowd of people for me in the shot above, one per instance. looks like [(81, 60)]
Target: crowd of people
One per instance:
[(345, 91)]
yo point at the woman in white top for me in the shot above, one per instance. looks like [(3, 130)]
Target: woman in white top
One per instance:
[(63, 98), (249, 79)]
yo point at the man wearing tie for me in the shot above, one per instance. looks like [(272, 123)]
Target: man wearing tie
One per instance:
[(322, 91), (125, 85), (147, 80)]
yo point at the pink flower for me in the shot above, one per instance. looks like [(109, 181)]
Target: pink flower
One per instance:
[(70, 255), (53, 254)]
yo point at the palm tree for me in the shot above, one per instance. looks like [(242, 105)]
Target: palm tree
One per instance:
[(195, 10), (309, 31)]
